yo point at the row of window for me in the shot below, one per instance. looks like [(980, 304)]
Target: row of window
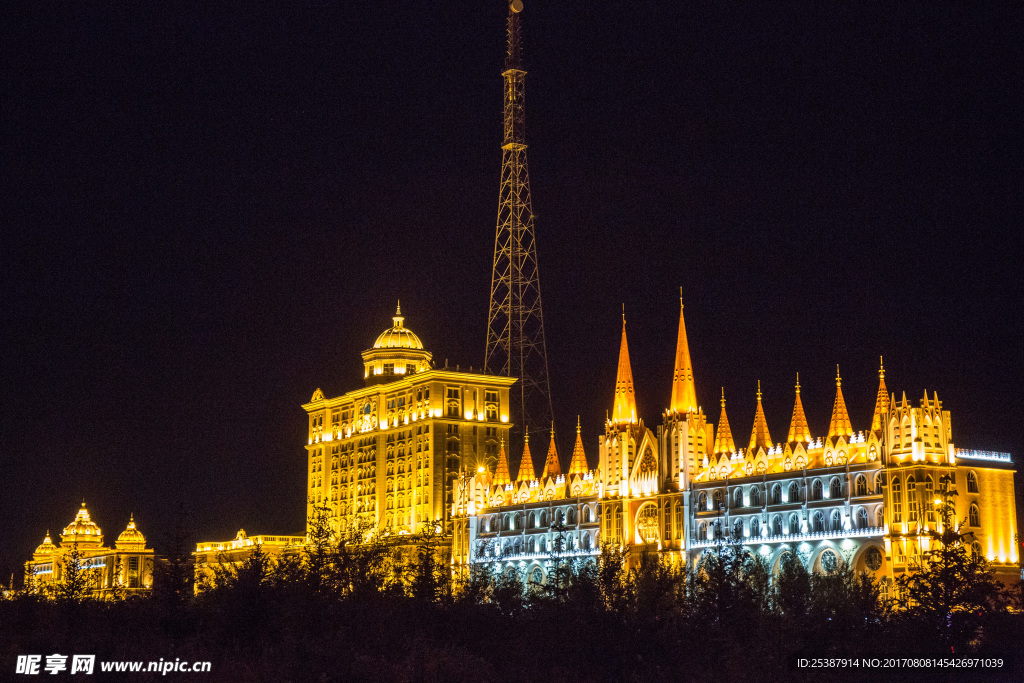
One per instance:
[(777, 494), (817, 522), (536, 519)]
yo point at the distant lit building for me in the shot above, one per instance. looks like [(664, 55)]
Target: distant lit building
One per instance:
[(128, 566), (864, 498), (212, 554)]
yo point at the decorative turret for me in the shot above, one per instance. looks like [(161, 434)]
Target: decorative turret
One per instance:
[(684, 392), (551, 466), (396, 353), (840, 424), (723, 440), (82, 531), (131, 538), (799, 431), (759, 435), (45, 548), (881, 402), (578, 465), (526, 465), (501, 472), (624, 411)]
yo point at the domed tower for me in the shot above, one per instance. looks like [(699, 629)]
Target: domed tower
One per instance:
[(82, 532), (131, 538), (396, 353)]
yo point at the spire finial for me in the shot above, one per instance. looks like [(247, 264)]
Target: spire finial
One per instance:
[(623, 313), (798, 382), (577, 424), (723, 397), (839, 380), (758, 391), (680, 298), (398, 308), (552, 429), (881, 368)]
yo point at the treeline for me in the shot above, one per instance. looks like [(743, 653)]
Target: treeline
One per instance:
[(365, 609)]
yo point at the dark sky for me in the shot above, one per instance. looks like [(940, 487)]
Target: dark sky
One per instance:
[(209, 212)]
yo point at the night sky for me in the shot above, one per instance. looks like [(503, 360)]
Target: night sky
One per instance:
[(209, 212)]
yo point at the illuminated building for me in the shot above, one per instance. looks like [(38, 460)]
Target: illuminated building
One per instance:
[(209, 554), (387, 455), (865, 498), (128, 566)]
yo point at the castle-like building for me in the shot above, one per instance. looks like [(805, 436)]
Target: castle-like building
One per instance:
[(126, 568), (866, 498)]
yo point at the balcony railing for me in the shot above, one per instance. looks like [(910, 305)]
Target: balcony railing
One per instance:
[(794, 538), (969, 454)]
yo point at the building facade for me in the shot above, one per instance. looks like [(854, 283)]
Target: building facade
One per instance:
[(866, 498), (126, 568)]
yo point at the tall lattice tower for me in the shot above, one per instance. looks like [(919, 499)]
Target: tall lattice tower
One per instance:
[(515, 322)]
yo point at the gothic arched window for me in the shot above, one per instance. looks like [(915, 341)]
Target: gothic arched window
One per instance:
[(974, 515), (816, 490), (861, 485), (972, 482), (835, 489)]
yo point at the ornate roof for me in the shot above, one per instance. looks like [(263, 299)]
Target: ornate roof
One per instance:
[(552, 468), (398, 336), (684, 392), (501, 473), (131, 536), (759, 435), (578, 465), (840, 424), (798, 428), (82, 529), (526, 464), (625, 398), (47, 546), (881, 402), (723, 440)]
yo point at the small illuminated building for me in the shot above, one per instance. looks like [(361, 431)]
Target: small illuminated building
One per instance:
[(210, 555), (128, 566)]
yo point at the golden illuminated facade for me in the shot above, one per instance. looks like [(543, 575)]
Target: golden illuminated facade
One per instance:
[(125, 568), (387, 456), (210, 554), (866, 498)]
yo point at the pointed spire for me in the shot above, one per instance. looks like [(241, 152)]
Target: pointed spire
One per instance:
[(759, 435), (398, 318), (882, 401), (684, 392), (501, 473), (798, 428), (526, 464), (578, 465), (551, 466), (624, 410), (723, 441), (840, 424)]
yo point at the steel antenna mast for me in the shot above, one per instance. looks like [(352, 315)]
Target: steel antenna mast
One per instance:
[(515, 321)]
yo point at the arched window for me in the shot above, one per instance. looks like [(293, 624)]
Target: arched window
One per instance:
[(861, 485), (836, 522), (816, 490), (737, 498), (976, 550), (897, 501), (761, 469), (702, 531), (879, 517), (586, 541), (818, 521), (794, 523), (878, 481), (557, 518), (570, 517), (862, 519), (911, 499), (835, 489), (929, 498), (777, 525), (776, 494), (517, 521), (794, 493), (737, 529), (755, 497), (755, 527), (974, 515), (679, 515), (543, 518), (702, 501), (972, 482), (716, 498), (586, 514)]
